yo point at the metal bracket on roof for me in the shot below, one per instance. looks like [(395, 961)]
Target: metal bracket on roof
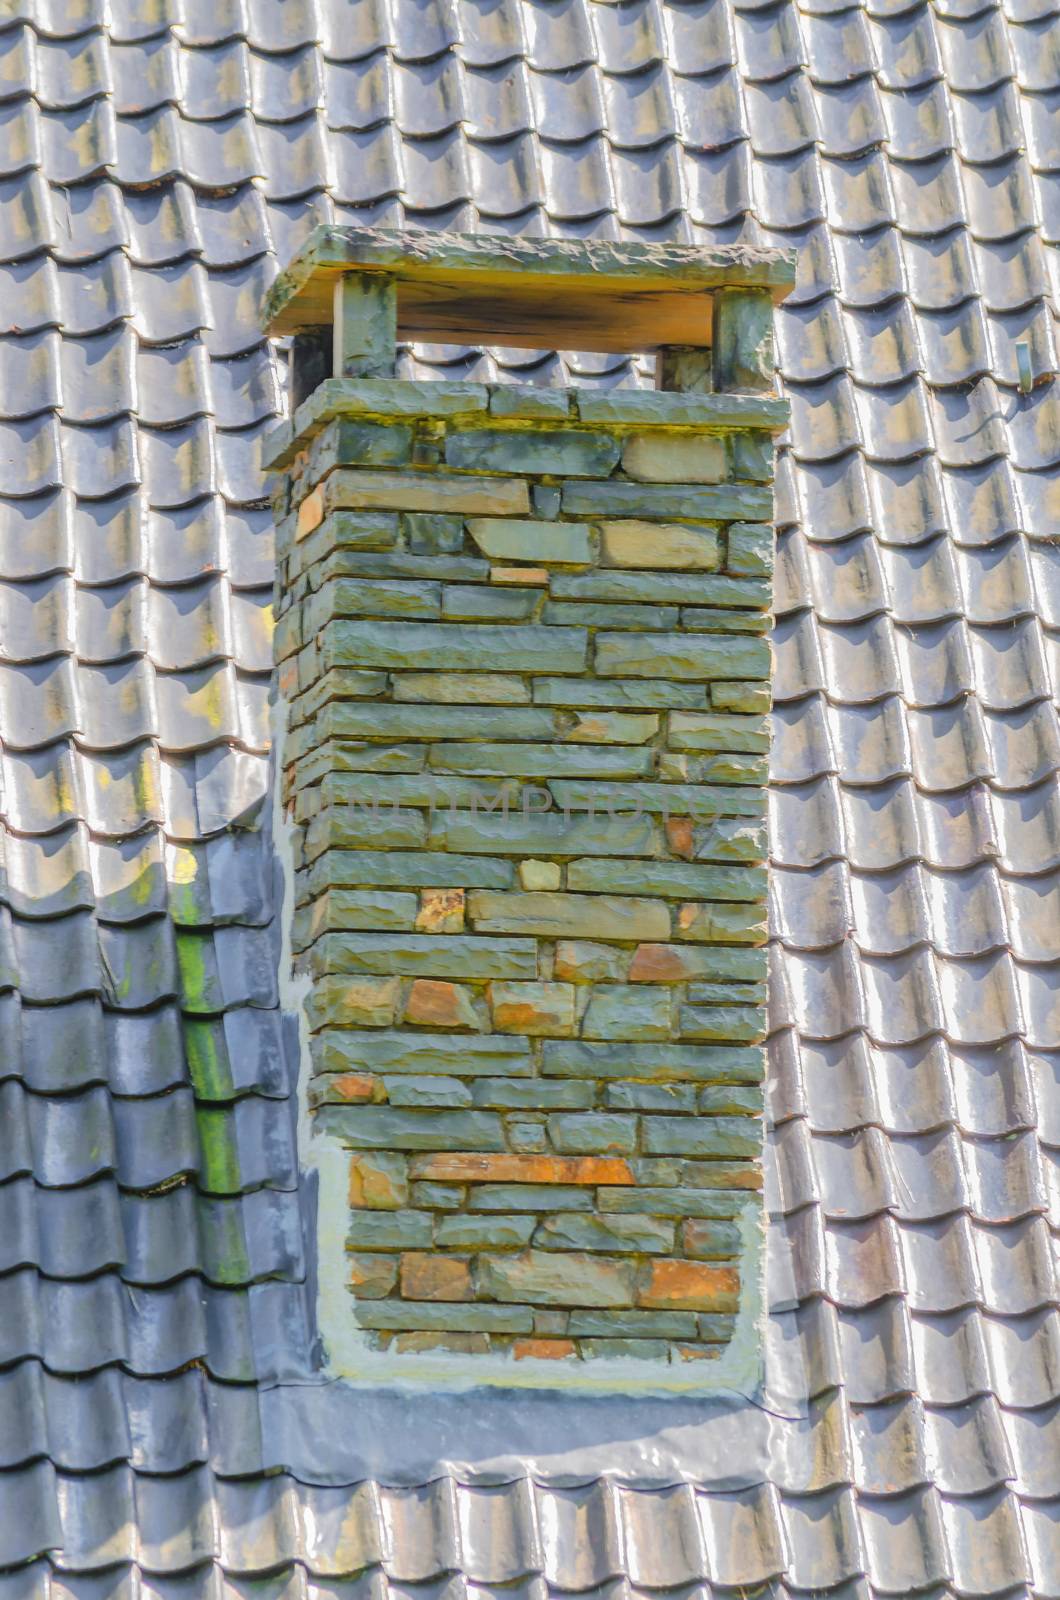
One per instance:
[(1024, 366)]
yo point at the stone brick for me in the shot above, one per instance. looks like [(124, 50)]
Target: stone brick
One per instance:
[(352, 1088), (563, 1279), (675, 963), (379, 1181), (583, 961), (474, 602), (659, 544), (464, 1344), (539, 875), (674, 458), (542, 1349), (451, 1054), (676, 1202), (614, 727), (423, 1315), (723, 1022), (624, 1349), (719, 1137), (662, 1063), (633, 1324), (561, 453), (521, 1169), (709, 1240), (371, 1276), (722, 924), (713, 503), (747, 697), (723, 1099), (669, 879), (535, 575), (715, 731), (618, 1234), (687, 1286), (389, 1230), (545, 833), (542, 760), (429, 534), (532, 1008), (427, 955), (750, 548), (662, 588), (385, 1128), (422, 491), (526, 1138), (600, 1133), (359, 1002), (460, 688), (677, 655), (466, 647), (568, 915), (650, 1096), (493, 1232), (438, 1196), (435, 1003), (428, 1091), (528, 1197), (435, 1277), (515, 1094), (627, 1011), (539, 542), (440, 911), (426, 721), (615, 692)]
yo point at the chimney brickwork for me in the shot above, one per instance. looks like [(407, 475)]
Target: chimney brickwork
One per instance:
[(522, 639)]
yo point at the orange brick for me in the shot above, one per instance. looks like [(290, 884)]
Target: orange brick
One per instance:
[(465, 1344), (535, 575), (310, 514), (440, 1005), (688, 1286), (433, 1277), (441, 911), (657, 963), (355, 1087), (699, 1352), (542, 1349), (680, 837), (522, 1169)]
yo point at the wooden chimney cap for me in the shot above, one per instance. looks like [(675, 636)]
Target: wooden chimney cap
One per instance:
[(548, 294)]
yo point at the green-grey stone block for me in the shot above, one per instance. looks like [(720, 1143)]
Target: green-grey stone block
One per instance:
[(663, 588), (624, 1349), (711, 731), (383, 1128), (539, 542), (675, 655), (528, 1197), (715, 619), (389, 1230), (561, 916), (421, 869), (663, 799), (670, 409), (630, 1011), (495, 1232), (457, 688), (433, 535), (593, 615), (383, 490), (521, 1094), (341, 827), (527, 1138), (348, 443), (717, 1137), (542, 760), (355, 908), (546, 834), (649, 1097), (751, 456), (714, 1328), (468, 647), (676, 1202), (586, 961), (715, 923), (750, 547), (683, 768), (360, 530), (634, 692), (632, 1324), (686, 501), (712, 1241), (545, 499), (647, 1235), (442, 791), (437, 1196), (426, 955), (386, 721), (681, 880), (665, 1063), (421, 1053), (520, 400), (717, 964), (423, 1314), (371, 597), (743, 340), (556, 1278), (750, 697), (722, 1099), (477, 601), (338, 756), (723, 1022), (727, 994), (729, 839), (407, 564), (558, 452), (592, 1133), (427, 1091)]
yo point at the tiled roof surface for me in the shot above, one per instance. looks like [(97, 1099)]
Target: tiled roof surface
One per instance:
[(157, 158)]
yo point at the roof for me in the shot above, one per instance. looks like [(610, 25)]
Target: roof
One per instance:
[(156, 1343)]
